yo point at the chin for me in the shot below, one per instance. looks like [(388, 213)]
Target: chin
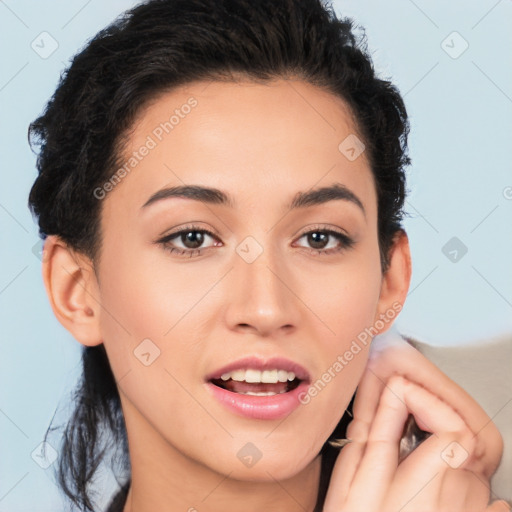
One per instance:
[(269, 464)]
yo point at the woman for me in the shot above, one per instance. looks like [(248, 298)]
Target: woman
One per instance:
[(221, 189)]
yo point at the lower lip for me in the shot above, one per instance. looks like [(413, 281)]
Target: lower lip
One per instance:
[(259, 407)]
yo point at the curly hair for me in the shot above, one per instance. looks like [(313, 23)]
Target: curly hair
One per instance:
[(156, 47)]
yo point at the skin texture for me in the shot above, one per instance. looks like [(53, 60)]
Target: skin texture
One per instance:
[(261, 144)]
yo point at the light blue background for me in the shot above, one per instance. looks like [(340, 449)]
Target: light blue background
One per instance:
[(461, 127)]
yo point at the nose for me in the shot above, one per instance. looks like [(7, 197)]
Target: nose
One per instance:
[(261, 296)]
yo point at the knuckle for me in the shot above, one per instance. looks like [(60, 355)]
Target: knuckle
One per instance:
[(357, 430)]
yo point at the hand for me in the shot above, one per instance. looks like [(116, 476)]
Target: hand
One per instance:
[(448, 471)]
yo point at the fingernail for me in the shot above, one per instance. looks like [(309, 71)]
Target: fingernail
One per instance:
[(339, 443)]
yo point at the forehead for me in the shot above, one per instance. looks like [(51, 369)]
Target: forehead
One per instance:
[(252, 140)]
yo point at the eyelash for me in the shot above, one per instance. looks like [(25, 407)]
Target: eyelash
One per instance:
[(187, 229), (345, 241)]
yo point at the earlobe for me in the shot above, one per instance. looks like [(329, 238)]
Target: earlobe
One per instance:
[(72, 290), (396, 280)]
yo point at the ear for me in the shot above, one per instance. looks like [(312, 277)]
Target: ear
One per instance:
[(73, 290), (395, 282)]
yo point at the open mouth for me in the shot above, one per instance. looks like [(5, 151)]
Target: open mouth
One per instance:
[(258, 383)]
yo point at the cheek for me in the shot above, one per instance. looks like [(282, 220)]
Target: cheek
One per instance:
[(147, 334), (148, 294), (153, 307), (346, 301), (346, 297)]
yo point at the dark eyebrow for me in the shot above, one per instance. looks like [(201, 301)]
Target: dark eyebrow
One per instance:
[(325, 194), (216, 196), (205, 194)]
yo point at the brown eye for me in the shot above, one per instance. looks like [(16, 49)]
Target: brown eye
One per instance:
[(326, 241), (192, 239), (317, 240)]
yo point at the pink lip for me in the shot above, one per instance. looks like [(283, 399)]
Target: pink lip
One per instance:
[(260, 407), (261, 364)]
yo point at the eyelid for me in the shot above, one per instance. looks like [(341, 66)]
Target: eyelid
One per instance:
[(322, 227), (192, 226), (344, 239), (165, 240)]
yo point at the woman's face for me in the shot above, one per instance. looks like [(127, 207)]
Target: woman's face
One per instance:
[(180, 311)]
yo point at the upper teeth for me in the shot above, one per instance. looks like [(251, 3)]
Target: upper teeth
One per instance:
[(267, 376)]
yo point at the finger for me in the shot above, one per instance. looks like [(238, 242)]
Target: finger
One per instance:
[(358, 430), (437, 474), (380, 458), (464, 491), (401, 358), (410, 363), (379, 461), (349, 459), (343, 472)]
